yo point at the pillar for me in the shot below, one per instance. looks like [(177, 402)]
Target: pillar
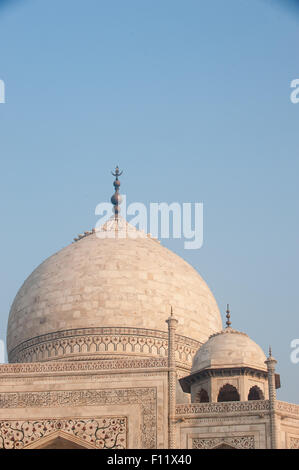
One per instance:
[(172, 380), (274, 430)]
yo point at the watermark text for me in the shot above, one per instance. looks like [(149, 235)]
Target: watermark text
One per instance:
[(294, 97), (162, 220), (2, 92), (295, 353)]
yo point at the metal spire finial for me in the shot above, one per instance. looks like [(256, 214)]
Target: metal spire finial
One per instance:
[(228, 322), (270, 351), (116, 199), (117, 172)]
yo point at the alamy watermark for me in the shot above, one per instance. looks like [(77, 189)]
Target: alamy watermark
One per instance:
[(2, 92), (295, 353), (162, 220), (294, 96)]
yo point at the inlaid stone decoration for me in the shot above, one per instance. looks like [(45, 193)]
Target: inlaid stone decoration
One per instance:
[(243, 442), (146, 398), (103, 433), (294, 442)]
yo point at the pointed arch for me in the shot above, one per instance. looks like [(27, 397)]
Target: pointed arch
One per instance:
[(202, 396), (223, 445), (255, 393), (59, 440), (228, 393)]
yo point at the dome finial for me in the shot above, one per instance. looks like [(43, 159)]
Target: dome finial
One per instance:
[(228, 322), (270, 359), (116, 198)]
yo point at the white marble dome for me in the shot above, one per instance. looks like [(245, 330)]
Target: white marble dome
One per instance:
[(112, 282), (229, 348)]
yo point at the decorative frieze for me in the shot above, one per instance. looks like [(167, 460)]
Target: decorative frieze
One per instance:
[(83, 366), (223, 420)]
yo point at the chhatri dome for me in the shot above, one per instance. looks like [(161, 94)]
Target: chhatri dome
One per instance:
[(112, 280), (227, 349), (230, 366)]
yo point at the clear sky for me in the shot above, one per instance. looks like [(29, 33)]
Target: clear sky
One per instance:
[(192, 99)]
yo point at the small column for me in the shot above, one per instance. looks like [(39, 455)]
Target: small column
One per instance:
[(172, 380), (271, 363)]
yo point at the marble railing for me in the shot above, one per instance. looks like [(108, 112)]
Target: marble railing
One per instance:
[(223, 407), (288, 408)]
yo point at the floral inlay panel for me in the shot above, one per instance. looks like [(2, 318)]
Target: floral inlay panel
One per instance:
[(103, 433)]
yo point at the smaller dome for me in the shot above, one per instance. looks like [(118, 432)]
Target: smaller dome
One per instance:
[(229, 348)]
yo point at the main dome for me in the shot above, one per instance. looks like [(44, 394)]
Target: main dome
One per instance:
[(102, 282)]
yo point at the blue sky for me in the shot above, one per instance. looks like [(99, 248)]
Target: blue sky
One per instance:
[(192, 100)]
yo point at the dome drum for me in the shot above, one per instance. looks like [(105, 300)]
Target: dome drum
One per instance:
[(103, 343)]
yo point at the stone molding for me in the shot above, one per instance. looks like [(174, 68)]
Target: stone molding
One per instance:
[(107, 432), (79, 344), (82, 366), (146, 398), (223, 420)]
